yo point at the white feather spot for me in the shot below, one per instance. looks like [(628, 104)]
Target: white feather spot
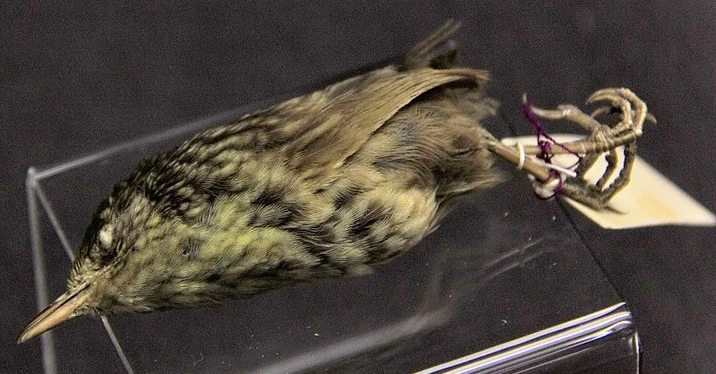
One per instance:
[(105, 235)]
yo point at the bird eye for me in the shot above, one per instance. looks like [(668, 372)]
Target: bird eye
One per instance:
[(106, 235)]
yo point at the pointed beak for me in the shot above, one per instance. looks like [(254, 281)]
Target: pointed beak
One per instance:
[(61, 310)]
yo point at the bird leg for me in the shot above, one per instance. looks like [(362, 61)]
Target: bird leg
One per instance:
[(603, 139)]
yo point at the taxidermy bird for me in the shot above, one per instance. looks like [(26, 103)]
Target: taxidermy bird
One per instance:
[(321, 185)]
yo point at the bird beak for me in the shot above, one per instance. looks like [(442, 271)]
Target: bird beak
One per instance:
[(61, 310)]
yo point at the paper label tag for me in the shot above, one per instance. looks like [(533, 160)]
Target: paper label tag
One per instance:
[(650, 199)]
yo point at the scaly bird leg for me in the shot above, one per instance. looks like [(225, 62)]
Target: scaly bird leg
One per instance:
[(627, 130), (603, 138)]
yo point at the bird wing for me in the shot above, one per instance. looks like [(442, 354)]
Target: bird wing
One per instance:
[(353, 110)]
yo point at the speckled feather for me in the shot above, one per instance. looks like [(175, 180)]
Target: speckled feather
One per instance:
[(321, 185)]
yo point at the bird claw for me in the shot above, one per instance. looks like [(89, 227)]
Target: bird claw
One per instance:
[(604, 139)]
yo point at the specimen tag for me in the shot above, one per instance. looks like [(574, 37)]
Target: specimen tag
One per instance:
[(650, 199)]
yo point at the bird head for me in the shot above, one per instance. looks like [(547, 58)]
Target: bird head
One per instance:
[(100, 281)]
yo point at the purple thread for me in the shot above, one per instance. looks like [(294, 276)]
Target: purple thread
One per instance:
[(545, 146), (558, 190)]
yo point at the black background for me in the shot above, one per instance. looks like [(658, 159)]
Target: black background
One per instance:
[(75, 77)]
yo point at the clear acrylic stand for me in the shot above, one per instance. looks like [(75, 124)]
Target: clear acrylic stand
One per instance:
[(505, 285)]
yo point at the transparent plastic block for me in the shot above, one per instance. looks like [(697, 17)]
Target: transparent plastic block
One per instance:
[(504, 285)]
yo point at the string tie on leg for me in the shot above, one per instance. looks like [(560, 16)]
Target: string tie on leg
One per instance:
[(549, 188)]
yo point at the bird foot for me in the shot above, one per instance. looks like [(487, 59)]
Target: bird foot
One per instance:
[(611, 140)]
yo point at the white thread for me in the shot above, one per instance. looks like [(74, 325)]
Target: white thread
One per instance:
[(560, 169), (521, 150), (547, 190)]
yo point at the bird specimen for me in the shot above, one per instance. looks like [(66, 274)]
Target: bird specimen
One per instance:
[(321, 185)]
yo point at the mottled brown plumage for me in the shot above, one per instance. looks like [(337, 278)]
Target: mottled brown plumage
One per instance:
[(322, 185)]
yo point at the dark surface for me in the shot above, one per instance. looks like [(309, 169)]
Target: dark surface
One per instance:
[(76, 77)]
